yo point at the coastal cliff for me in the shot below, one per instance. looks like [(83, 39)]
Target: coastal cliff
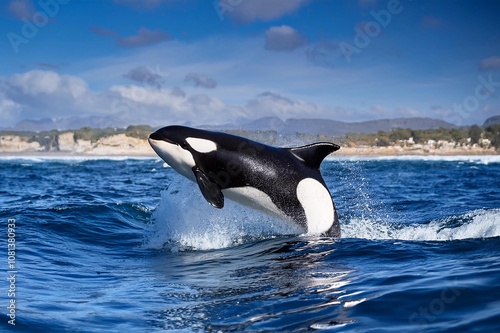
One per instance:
[(118, 144), (72, 143), (68, 143), (18, 144)]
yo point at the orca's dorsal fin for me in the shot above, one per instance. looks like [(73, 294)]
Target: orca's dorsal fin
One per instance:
[(312, 155), (210, 190)]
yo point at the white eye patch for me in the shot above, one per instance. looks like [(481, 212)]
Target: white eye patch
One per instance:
[(201, 145)]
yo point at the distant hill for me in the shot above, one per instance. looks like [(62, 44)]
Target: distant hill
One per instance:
[(48, 124), (492, 121), (290, 126), (339, 128)]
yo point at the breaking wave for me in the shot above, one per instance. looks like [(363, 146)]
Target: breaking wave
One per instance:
[(479, 223), (478, 159)]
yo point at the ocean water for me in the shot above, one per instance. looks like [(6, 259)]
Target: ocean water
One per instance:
[(127, 245)]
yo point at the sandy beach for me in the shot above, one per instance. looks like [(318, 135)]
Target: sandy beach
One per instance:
[(363, 151), (66, 144)]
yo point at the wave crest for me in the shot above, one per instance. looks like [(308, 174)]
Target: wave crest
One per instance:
[(479, 223), (475, 159)]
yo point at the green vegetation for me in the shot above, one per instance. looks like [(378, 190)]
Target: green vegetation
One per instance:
[(493, 133), (400, 136), (475, 132), (47, 139), (139, 131), (94, 134), (467, 135)]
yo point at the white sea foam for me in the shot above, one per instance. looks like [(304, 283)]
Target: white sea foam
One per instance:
[(184, 220), (480, 223), (71, 158), (479, 159)]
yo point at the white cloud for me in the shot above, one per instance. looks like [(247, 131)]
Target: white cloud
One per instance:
[(200, 80), (46, 94), (489, 63), (39, 82), (146, 96), (145, 75), (35, 82), (247, 11), (38, 94), (283, 38), (251, 83), (169, 106), (8, 110)]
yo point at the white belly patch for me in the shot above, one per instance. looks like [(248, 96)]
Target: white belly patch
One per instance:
[(317, 204), (254, 198)]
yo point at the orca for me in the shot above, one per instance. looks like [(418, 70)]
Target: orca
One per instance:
[(281, 181)]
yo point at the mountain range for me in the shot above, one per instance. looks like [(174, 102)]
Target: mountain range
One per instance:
[(285, 127), (70, 123), (337, 128)]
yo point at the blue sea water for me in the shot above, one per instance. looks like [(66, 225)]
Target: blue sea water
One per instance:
[(127, 245)]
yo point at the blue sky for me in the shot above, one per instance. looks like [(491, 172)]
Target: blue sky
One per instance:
[(209, 62)]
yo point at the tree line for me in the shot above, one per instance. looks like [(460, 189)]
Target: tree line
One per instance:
[(458, 135), (475, 133)]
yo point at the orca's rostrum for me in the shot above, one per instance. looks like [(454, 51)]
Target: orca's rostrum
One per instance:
[(281, 181)]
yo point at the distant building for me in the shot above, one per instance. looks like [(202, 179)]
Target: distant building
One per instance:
[(485, 142)]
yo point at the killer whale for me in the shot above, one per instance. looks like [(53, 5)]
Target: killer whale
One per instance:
[(282, 181)]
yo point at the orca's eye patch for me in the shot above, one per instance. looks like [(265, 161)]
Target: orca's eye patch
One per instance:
[(201, 145)]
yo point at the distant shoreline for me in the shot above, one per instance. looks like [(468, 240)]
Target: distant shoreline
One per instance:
[(362, 152), (133, 142), (409, 151)]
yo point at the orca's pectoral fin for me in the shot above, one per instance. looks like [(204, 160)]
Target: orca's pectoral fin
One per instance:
[(312, 155), (210, 190)]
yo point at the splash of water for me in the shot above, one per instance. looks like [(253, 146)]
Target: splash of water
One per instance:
[(479, 223), (184, 220)]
